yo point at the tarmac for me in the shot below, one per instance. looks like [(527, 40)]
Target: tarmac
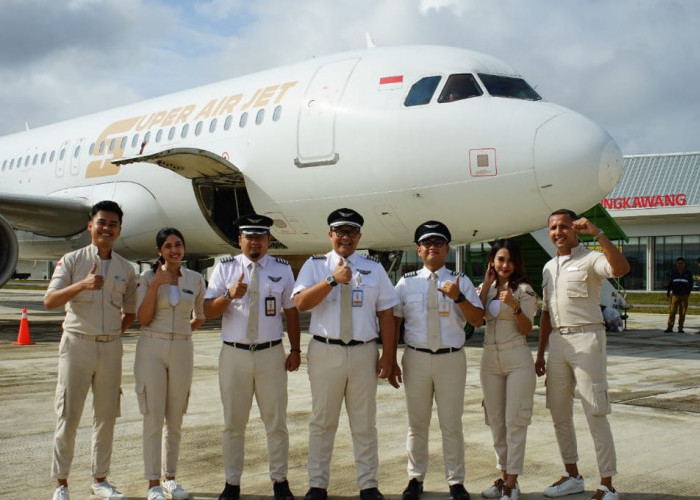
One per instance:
[(654, 385)]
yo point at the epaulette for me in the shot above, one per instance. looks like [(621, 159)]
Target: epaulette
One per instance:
[(227, 259), (456, 273), (370, 257), (318, 257), (281, 260), (411, 274)]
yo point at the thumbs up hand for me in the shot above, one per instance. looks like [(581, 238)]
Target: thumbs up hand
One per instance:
[(239, 288), (506, 296), (93, 281)]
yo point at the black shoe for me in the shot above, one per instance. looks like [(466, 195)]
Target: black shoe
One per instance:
[(668, 330), (231, 492), (413, 490), (371, 494), (282, 491), (316, 494), (457, 492), (680, 330)]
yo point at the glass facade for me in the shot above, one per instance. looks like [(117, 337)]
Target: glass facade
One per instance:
[(636, 253), (667, 249)]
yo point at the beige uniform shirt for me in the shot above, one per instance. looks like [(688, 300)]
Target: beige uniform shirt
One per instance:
[(96, 312), (571, 288), (174, 319), (501, 325)]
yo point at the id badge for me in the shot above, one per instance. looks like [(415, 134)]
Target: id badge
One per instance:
[(356, 298), (270, 306), (444, 308)]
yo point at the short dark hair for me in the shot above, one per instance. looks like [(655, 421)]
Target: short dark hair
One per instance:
[(107, 206), (564, 211), (680, 259)]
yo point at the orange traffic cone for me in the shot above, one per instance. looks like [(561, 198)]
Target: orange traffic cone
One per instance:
[(23, 335)]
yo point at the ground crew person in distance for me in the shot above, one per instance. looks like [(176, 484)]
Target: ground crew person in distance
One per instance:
[(680, 283), (507, 369), (346, 293), (252, 290), (435, 304), (573, 326), (98, 289)]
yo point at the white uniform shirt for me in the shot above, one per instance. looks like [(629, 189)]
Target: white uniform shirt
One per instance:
[(275, 279), (571, 288), (96, 312), (413, 307), (368, 276)]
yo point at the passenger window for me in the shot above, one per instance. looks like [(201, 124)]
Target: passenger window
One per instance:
[(52, 156), (122, 144), (277, 113), (198, 128), (244, 119), (92, 149), (185, 130), (147, 137), (171, 133), (507, 86), (36, 159), (212, 125), (159, 135), (43, 158), (26, 161), (458, 87), (62, 155), (227, 123), (135, 141), (112, 145), (77, 152), (422, 91), (12, 162), (259, 116), (4, 164)]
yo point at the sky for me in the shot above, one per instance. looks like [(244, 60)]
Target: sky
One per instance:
[(633, 66)]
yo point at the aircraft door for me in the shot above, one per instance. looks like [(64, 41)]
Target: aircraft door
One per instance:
[(316, 126)]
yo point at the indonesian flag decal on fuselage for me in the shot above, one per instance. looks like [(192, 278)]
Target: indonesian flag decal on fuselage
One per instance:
[(391, 82)]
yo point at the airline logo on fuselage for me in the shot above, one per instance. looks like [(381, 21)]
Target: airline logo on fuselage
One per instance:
[(104, 154)]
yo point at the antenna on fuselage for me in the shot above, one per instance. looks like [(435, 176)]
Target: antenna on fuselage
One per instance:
[(370, 42)]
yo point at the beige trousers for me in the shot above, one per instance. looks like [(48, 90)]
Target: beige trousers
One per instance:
[(443, 377), (82, 364), (243, 374), (508, 382), (163, 373), (679, 304), (338, 373), (579, 359)]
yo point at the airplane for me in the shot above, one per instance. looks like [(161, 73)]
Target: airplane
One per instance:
[(401, 134)]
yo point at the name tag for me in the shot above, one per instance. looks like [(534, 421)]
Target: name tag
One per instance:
[(270, 306), (357, 298), (444, 308)]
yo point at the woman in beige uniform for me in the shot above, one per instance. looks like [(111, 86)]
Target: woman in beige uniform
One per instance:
[(507, 368), (167, 295)]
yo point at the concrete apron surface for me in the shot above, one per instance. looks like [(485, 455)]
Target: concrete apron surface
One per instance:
[(654, 385)]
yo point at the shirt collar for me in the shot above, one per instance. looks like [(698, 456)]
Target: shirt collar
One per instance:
[(352, 259), (424, 272), (261, 262)]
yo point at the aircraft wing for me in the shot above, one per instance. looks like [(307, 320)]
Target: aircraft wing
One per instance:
[(45, 215)]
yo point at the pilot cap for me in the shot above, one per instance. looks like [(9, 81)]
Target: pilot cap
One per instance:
[(253, 224), (345, 217), (432, 228)]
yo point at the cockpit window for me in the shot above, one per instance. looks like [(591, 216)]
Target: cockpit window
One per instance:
[(422, 91), (458, 87), (506, 86)]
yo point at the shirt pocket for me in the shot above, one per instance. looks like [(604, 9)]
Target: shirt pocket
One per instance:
[(413, 303), (118, 291), (576, 284)]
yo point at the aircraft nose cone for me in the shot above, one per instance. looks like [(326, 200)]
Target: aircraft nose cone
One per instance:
[(577, 163)]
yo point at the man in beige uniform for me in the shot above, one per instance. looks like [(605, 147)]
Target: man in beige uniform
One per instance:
[(98, 289), (252, 290), (572, 323)]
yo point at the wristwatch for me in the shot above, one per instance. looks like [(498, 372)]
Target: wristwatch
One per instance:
[(599, 234), (460, 298), (227, 295), (518, 311), (330, 280)]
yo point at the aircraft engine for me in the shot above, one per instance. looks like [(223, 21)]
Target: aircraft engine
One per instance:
[(9, 251)]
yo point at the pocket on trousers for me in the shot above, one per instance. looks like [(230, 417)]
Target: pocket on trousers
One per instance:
[(60, 400), (486, 413), (524, 416), (601, 401), (141, 396)]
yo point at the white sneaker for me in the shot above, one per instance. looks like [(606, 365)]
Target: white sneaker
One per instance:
[(511, 493), (106, 490), (603, 493), (174, 491), (565, 486), (61, 493), (495, 491), (155, 493)]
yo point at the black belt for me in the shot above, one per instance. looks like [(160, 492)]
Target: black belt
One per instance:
[(439, 351), (326, 340), (254, 347)]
